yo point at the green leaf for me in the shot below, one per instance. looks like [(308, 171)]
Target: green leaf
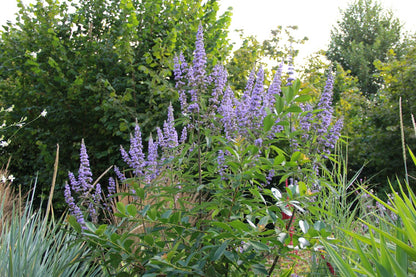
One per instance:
[(140, 192), (237, 224), (220, 251), (295, 156), (101, 229), (149, 239), (302, 98), (343, 267), (259, 269), (121, 208), (222, 225), (278, 159), (74, 223), (131, 210), (279, 105), (294, 109), (258, 245), (268, 122), (115, 259)]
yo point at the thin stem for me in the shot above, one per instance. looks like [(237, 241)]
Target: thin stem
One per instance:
[(276, 259), (403, 142)]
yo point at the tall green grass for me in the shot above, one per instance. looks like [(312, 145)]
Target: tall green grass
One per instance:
[(381, 240), (31, 244)]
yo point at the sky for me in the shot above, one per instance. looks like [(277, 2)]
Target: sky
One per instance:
[(314, 18)]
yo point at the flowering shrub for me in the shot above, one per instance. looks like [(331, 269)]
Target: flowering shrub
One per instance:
[(206, 202)]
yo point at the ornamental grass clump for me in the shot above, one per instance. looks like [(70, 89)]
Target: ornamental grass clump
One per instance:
[(213, 200), (33, 244)]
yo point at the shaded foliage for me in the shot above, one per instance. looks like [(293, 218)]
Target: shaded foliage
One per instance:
[(96, 66)]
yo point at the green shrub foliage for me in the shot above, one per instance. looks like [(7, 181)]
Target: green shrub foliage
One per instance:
[(96, 66)]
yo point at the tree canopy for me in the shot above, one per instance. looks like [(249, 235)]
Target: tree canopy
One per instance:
[(365, 33)]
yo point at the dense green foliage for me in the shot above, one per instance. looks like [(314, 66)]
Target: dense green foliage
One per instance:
[(96, 66), (280, 47), (377, 137), (364, 34), (368, 43)]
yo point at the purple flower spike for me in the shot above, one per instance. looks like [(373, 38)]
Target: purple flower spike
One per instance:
[(334, 134), (226, 110), (135, 157), (111, 187), (73, 208), (93, 212), (119, 174), (184, 135), (74, 182), (256, 95), (325, 116), (219, 76), (151, 164), (180, 72), (222, 167), (170, 134), (274, 89), (291, 72), (200, 58), (84, 172), (306, 120), (242, 106)]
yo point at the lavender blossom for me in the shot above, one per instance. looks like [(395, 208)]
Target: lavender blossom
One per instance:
[(170, 134), (180, 71), (119, 174), (135, 157), (151, 164), (219, 76), (73, 208), (200, 58), (74, 182), (325, 116), (258, 142), (242, 106), (111, 187), (222, 167), (160, 138), (226, 110), (333, 135), (270, 176), (291, 72), (306, 120), (84, 172), (274, 89), (184, 135), (256, 95), (93, 212)]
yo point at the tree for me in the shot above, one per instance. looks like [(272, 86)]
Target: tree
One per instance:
[(364, 34), (96, 67), (253, 53)]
